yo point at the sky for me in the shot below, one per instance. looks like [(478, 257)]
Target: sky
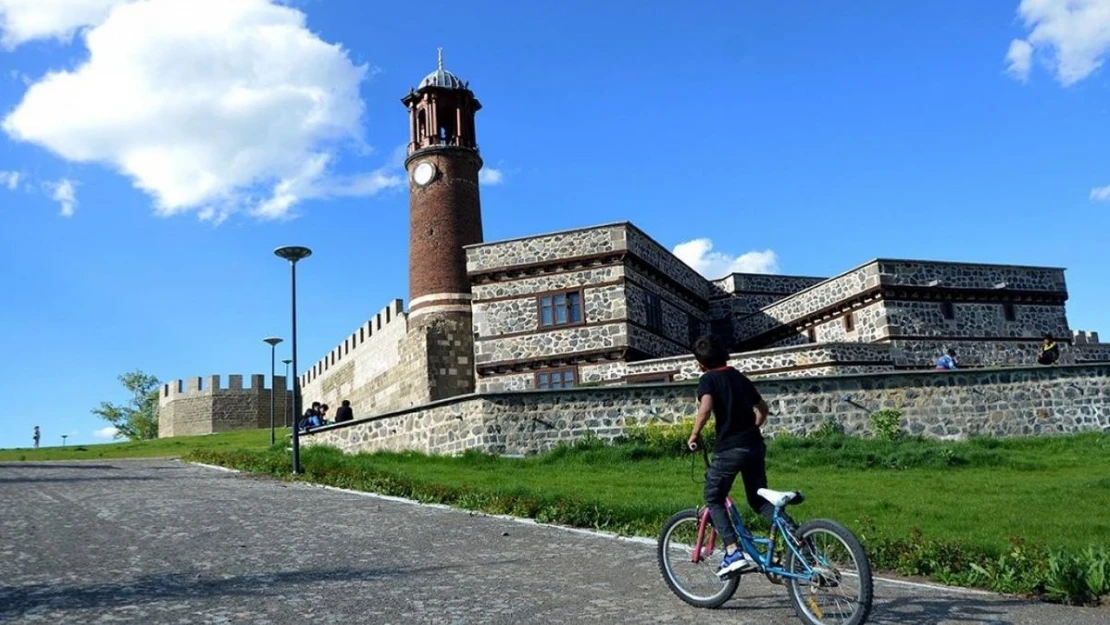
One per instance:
[(154, 153)]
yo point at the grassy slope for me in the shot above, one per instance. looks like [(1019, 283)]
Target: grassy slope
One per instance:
[(164, 447), (1019, 489)]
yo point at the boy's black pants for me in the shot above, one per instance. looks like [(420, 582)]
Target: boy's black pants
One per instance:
[(749, 462)]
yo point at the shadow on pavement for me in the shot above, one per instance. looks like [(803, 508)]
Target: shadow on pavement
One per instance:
[(949, 609), (17, 600)]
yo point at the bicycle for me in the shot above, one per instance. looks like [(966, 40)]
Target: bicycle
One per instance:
[(796, 565)]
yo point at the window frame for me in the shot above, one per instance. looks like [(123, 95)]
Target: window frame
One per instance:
[(562, 372), (653, 301), (567, 308)]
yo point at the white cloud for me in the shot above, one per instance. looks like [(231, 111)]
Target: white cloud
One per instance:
[(699, 255), (211, 106), (106, 432), (1101, 194), (491, 176), (64, 192), (10, 179), (1020, 57), (26, 20), (1072, 36)]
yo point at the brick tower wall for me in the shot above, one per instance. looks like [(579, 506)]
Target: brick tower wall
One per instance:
[(444, 216)]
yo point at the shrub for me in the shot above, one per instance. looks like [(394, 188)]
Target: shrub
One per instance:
[(669, 437), (886, 424)]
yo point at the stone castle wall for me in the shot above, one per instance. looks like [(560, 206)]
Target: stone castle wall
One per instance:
[(769, 283), (971, 276), (808, 302), (191, 407), (935, 404), (367, 368)]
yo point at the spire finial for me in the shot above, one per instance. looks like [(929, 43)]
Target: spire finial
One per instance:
[(440, 55)]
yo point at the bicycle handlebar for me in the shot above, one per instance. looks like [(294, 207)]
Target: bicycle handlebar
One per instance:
[(700, 446)]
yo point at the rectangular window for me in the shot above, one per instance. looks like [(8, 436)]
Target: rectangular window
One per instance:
[(654, 308), (849, 322), (1009, 311), (812, 334), (948, 310), (560, 309), (557, 378), (693, 329)]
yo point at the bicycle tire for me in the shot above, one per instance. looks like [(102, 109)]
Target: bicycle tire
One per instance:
[(728, 586), (849, 539)]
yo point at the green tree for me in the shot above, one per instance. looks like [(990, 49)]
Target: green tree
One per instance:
[(138, 419)]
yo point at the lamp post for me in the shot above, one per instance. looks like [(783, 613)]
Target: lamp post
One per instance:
[(273, 341), (286, 401), (293, 253)]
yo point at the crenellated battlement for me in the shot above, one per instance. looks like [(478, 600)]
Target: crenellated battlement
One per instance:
[(366, 333), (1085, 337), (208, 385)]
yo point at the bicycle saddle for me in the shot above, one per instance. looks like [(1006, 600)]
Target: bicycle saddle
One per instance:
[(780, 498)]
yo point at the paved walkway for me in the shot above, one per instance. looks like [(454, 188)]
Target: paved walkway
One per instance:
[(161, 541)]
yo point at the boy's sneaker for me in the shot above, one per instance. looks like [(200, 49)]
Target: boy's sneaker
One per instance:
[(736, 562)]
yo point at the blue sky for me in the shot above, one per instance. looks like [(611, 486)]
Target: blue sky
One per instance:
[(144, 185)]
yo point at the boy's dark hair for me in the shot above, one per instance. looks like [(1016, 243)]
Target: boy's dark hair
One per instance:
[(1047, 336), (710, 351), (952, 352), (346, 402)]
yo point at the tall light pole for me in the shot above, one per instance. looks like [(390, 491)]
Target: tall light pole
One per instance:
[(273, 341), (293, 253), (286, 401)]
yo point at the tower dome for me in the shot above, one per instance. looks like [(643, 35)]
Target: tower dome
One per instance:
[(442, 78)]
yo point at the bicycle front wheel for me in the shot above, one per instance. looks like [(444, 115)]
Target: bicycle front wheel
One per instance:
[(696, 583), (840, 590)]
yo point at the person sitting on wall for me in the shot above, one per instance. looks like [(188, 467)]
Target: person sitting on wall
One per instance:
[(1050, 351), (947, 361), (344, 412), (323, 414), (311, 417)]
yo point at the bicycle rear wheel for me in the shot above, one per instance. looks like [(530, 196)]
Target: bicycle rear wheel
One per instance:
[(696, 583), (842, 573)]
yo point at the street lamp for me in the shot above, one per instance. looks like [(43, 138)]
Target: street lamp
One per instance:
[(285, 402), (273, 341), (293, 253)]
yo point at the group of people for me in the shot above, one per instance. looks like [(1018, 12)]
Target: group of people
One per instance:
[(1049, 354), (316, 415)]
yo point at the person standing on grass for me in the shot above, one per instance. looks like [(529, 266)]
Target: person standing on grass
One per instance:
[(36, 437), (738, 411)]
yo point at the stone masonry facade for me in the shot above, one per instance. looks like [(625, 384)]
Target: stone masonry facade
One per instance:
[(944, 405)]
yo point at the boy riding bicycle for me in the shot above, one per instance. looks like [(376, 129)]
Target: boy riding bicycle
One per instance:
[(739, 411)]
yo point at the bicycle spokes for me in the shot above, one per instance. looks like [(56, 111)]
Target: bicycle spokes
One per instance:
[(831, 588)]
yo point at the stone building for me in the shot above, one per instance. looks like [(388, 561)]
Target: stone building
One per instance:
[(608, 305)]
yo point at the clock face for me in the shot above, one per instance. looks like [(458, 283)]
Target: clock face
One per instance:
[(423, 173)]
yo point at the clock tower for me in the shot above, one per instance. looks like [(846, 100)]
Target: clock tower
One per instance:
[(444, 206)]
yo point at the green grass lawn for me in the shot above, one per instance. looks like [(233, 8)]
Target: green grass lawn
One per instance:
[(1053, 491), (162, 447)]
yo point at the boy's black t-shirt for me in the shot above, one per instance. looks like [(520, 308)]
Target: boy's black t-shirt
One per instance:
[(734, 400)]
